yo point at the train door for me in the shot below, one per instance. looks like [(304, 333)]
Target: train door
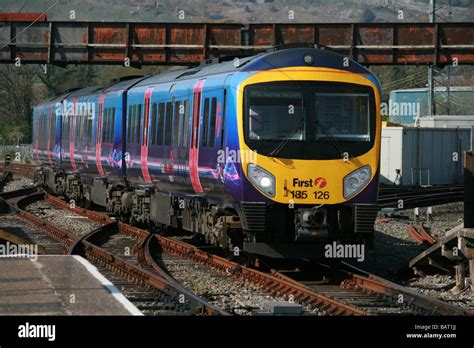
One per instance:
[(108, 134), (180, 144), (57, 138), (72, 137), (155, 151), (50, 134), (123, 134), (60, 128), (221, 119), (207, 151), (88, 147), (211, 159), (145, 136), (65, 139), (194, 146), (79, 138), (98, 143), (38, 134)]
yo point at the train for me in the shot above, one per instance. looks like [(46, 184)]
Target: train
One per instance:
[(276, 154)]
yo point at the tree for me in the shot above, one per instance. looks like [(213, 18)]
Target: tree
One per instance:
[(16, 135), (16, 93), (58, 80)]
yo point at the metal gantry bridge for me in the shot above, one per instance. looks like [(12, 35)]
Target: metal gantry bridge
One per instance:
[(34, 39)]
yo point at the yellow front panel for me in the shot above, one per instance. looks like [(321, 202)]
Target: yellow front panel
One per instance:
[(311, 181)]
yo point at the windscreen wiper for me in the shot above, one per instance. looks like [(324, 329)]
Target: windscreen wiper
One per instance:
[(328, 134), (332, 139), (282, 144)]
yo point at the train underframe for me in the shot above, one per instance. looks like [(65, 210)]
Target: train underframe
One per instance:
[(269, 229)]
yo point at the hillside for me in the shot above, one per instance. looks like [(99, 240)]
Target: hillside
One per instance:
[(254, 11)]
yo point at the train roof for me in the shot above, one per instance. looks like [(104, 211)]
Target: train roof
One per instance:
[(277, 58), (123, 83), (82, 92), (280, 58), (219, 67), (74, 93)]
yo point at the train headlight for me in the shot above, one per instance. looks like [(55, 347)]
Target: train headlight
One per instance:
[(356, 181), (265, 182), (262, 179)]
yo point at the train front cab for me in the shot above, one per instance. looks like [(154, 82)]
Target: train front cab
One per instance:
[(315, 167)]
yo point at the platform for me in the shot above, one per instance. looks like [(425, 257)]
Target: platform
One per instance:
[(58, 285)]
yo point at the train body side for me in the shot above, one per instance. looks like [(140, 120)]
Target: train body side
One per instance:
[(178, 145)]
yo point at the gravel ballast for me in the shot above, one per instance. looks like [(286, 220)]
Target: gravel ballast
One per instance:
[(394, 248), (64, 219)]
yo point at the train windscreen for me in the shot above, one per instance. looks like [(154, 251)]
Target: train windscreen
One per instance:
[(309, 120)]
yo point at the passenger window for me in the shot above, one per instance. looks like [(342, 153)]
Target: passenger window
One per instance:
[(53, 131), (109, 124), (169, 124), (223, 118), (75, 130), (185, 124), (68, 128), (79, 126), (85, 127), (212, 131), (89, 130), (104, 125), (112, 127), (137, 124), (161, 123), (205, 123), (129, 123), (44, 133), (63, 128), (153, 124), (134, 122), (177, 123)]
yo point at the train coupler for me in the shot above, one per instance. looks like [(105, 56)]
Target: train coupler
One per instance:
[(311, 225)]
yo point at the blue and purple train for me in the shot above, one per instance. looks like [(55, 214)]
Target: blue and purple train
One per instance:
[(275, 154)]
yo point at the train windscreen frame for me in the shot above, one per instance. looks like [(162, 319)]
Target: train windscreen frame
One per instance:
[(309, 119)]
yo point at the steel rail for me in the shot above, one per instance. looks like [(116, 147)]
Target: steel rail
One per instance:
[(148, 249), (99, 256)]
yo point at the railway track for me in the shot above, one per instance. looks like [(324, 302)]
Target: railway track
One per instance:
[(150, 248), (18, 231), (371, 294), (220, 288), (27, 170), (413, 197), (150, 292), (353, 292), (143, 266)]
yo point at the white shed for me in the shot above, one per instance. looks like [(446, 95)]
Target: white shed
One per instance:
[(423, 156)]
